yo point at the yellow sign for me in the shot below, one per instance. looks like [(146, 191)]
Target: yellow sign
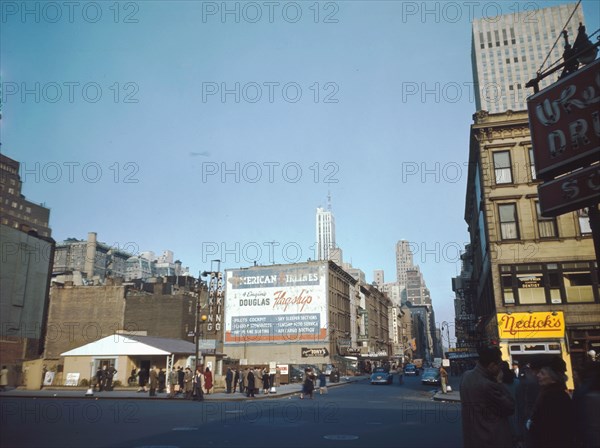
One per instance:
[(541, 325)]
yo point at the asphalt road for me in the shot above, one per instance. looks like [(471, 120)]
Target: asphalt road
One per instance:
[(354, 415)]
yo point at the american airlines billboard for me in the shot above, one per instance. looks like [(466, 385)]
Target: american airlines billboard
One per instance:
[(276, 304)]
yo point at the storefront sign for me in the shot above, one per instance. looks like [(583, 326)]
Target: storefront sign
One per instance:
[(540, 325), (571, 192), (565, 124), (310, 352)]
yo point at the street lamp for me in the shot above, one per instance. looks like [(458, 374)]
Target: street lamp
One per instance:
[(200, 319)]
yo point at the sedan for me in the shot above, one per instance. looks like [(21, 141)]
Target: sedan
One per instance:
[(381, 375), (411, 369), (431, 377)]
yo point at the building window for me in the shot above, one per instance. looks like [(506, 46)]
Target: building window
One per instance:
[(584, 222), (509, 225), (534, 284), (532, 164), (546, 226), (577, 279), (502, 167)]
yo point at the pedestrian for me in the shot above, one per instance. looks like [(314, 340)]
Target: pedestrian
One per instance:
[(180, 379), (236, 379), (586, 399), (308, 386), (444, 380), (526, 394), (99, 379), (266, 379), (188, 385), (250, 383), (104, 376), (173, 383), (162, 380), (3, 378), (131, 379), (258, 381), (244, 381), (110, 374), (208, 380), (515, 368), (228, 379), (485, 403), (322, 383), (511, 382), (143, 375), (552, 422), (153, 381), (198, 380)]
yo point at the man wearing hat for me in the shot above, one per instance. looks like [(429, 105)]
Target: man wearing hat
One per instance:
[(515, 367), (552, 423), (486, 403)]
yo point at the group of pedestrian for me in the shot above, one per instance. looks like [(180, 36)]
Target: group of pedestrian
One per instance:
[(103, 380), (528, 406)]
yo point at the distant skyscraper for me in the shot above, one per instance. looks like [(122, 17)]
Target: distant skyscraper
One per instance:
[(378, 277), (325, 226), (508, 50), (404, 261)]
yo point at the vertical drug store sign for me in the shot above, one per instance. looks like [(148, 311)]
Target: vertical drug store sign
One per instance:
[(276, 304)]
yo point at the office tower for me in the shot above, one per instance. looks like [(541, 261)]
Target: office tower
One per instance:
[(325, 234), (404, 261), (508, 50)]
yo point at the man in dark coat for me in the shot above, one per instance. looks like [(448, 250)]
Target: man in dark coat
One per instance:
[(110, 374), (181, 379), (486, 403), (236, 379), (251, 384), (228, 379)]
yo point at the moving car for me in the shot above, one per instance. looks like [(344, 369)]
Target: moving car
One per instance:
[(411, 369), (381, 375), (431, 377)]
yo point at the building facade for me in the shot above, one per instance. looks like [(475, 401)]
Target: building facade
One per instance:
[(16, 211), (404, 261), (325, 234), (508, 51), (541, 271)]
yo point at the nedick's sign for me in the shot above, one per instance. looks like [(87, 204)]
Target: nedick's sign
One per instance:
[(541, 325)]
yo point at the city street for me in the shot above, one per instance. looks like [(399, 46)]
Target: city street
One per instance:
[(354, 415)]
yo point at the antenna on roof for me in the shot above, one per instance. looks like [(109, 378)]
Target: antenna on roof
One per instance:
[(328, 200)]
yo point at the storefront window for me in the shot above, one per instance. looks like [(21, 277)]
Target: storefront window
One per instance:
[(531, 288)]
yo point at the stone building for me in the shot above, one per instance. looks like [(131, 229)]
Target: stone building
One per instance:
[(528, 271)]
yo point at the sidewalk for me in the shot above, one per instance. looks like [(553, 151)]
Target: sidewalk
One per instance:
[(132, 394), (453, 396)]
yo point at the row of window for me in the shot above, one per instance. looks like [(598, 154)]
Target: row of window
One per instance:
[(505, 39), (547, 227), (550, 283)]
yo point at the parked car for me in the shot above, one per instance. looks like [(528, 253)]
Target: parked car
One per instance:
[(431, 377), (296, 372), (381, 375), (411, 369)]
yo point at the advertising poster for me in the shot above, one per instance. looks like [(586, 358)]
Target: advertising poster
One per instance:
[(276, 304)]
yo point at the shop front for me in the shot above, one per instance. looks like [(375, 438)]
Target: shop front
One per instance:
[(534, 337)]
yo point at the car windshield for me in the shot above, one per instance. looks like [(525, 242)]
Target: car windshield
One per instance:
[(379, 370), (410, 367)]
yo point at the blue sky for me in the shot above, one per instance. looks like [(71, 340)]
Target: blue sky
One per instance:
[(126, 131)]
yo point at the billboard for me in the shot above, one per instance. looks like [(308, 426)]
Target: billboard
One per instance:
[(276, 304)]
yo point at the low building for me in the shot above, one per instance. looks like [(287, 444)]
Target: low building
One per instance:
[(127, 353)]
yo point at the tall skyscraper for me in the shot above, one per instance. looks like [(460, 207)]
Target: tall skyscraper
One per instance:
[(325, 225), (404, 261), (507, 51)]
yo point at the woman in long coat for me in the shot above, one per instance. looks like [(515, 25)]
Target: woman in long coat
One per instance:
[(309, 384), (198, 380), (208, 380), (553, 420)]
